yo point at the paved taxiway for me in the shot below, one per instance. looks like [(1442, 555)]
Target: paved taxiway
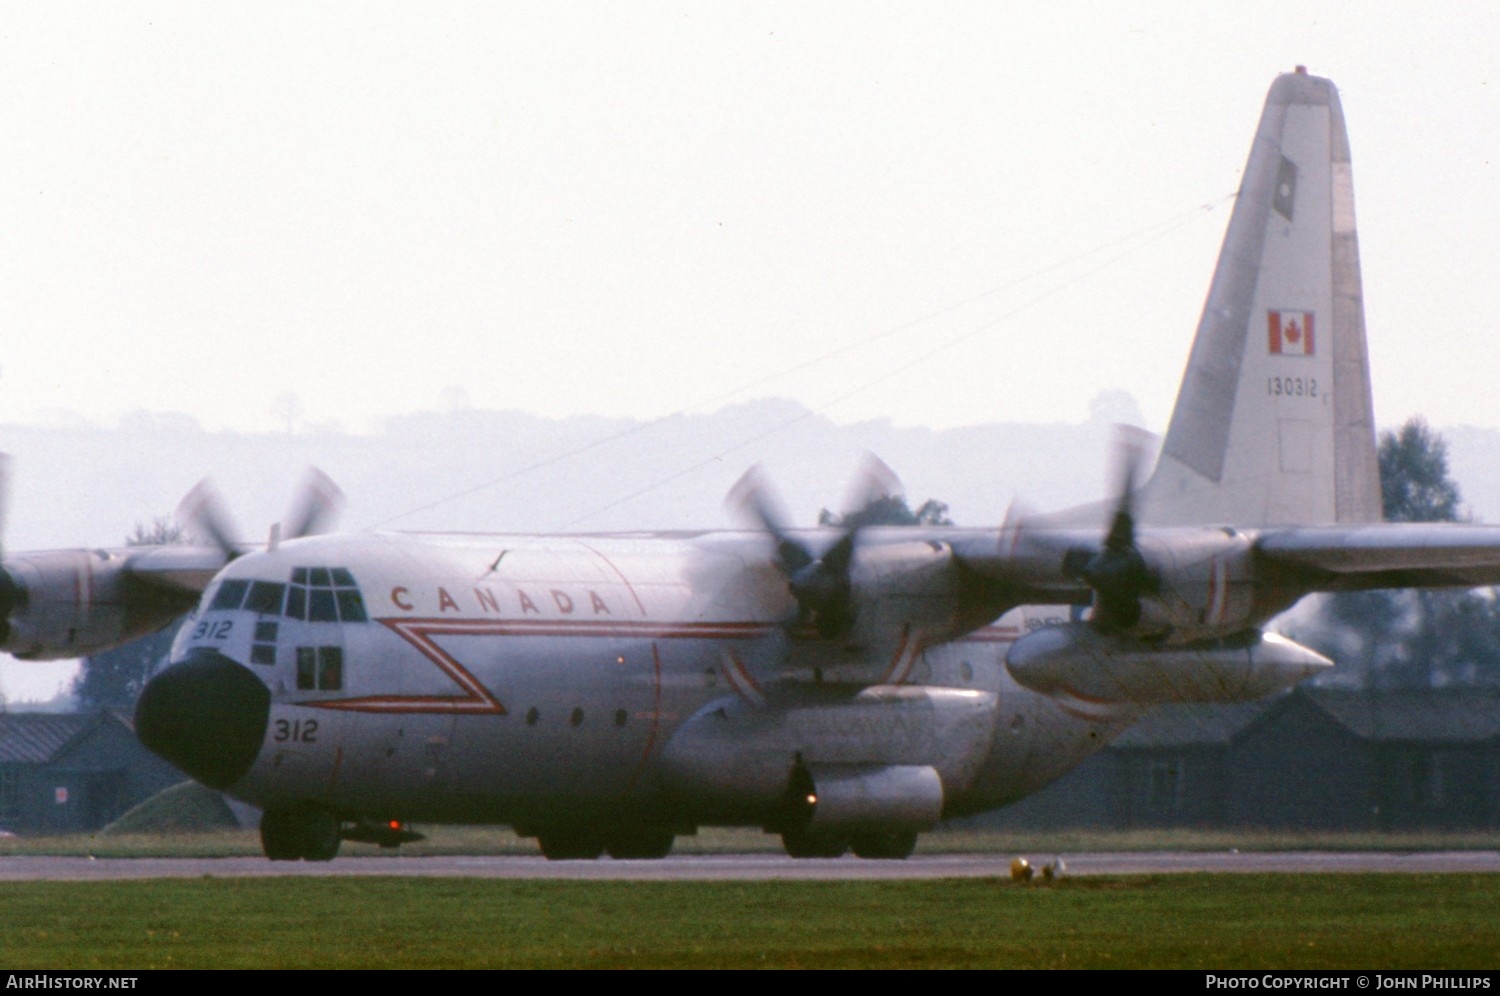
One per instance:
[(755, 867)]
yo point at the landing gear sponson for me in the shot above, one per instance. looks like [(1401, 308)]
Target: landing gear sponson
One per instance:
[(310, 833), (896, 844), (623, 845), (586, 845)]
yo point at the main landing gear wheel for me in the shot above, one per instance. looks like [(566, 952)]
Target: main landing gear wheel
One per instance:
[(801, 844), (302, 833), (895, 845), (570, 846), (643, 845)]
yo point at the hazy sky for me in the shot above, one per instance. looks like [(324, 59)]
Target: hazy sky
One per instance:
[(322, 212)]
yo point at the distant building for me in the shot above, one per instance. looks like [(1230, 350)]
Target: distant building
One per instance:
[(1315, 759), (72, 773)]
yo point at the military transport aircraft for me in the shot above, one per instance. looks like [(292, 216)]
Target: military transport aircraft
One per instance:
[(840, 687)]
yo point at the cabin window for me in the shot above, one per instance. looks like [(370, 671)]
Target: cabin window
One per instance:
[(330, 669), (307, 668), (320, 669), (264, 649)]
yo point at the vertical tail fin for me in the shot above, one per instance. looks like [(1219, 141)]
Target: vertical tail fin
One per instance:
[(1273, 423)]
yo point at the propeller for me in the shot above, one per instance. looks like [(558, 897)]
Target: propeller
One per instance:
[(1117, 572), (820, 582), (314, 506), (203, 513)]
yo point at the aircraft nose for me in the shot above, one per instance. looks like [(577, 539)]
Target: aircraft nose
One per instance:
[(207, 716)]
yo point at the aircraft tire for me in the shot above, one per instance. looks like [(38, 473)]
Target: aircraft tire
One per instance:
[(570, 846), (320, 835), (895, 845), (642, 845), (801, 844), (278, 836), (303, 833)]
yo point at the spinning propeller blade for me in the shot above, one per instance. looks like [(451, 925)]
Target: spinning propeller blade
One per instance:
[(1117, 572), (819, 582), (314, 507)]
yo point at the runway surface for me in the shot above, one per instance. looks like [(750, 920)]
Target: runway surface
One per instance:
[(755, 867)]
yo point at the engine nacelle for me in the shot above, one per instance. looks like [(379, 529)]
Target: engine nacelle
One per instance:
[(1075, 660), (1206, 585), (903, 597), (849, 798), (904, 583), (884, 757), (68, 603)]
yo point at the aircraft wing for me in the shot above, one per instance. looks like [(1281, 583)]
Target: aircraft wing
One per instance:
[(1386, 555), (1208, 582), (186, 569), (1339, 557), (1025, 566), (69, 603)]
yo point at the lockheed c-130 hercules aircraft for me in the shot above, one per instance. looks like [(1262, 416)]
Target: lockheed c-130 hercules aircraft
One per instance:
[(840, 687)]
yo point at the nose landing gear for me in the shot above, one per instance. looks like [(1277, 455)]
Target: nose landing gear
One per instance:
[(300, 833)]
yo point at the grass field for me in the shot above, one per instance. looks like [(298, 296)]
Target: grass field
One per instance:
[(1172, 921), (1178, 921)]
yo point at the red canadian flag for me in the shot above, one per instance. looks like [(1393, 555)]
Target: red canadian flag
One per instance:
[(1291, 332)]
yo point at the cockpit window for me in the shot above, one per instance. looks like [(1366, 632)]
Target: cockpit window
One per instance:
[(321, 607), (266, 597), (316, 594), (330, 595), (351, 606), (230, 595)]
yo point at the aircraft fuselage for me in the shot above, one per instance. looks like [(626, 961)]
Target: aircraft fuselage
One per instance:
[(597, 681)]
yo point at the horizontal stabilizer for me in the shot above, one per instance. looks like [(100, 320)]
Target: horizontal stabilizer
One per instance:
[(1389, 555)]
